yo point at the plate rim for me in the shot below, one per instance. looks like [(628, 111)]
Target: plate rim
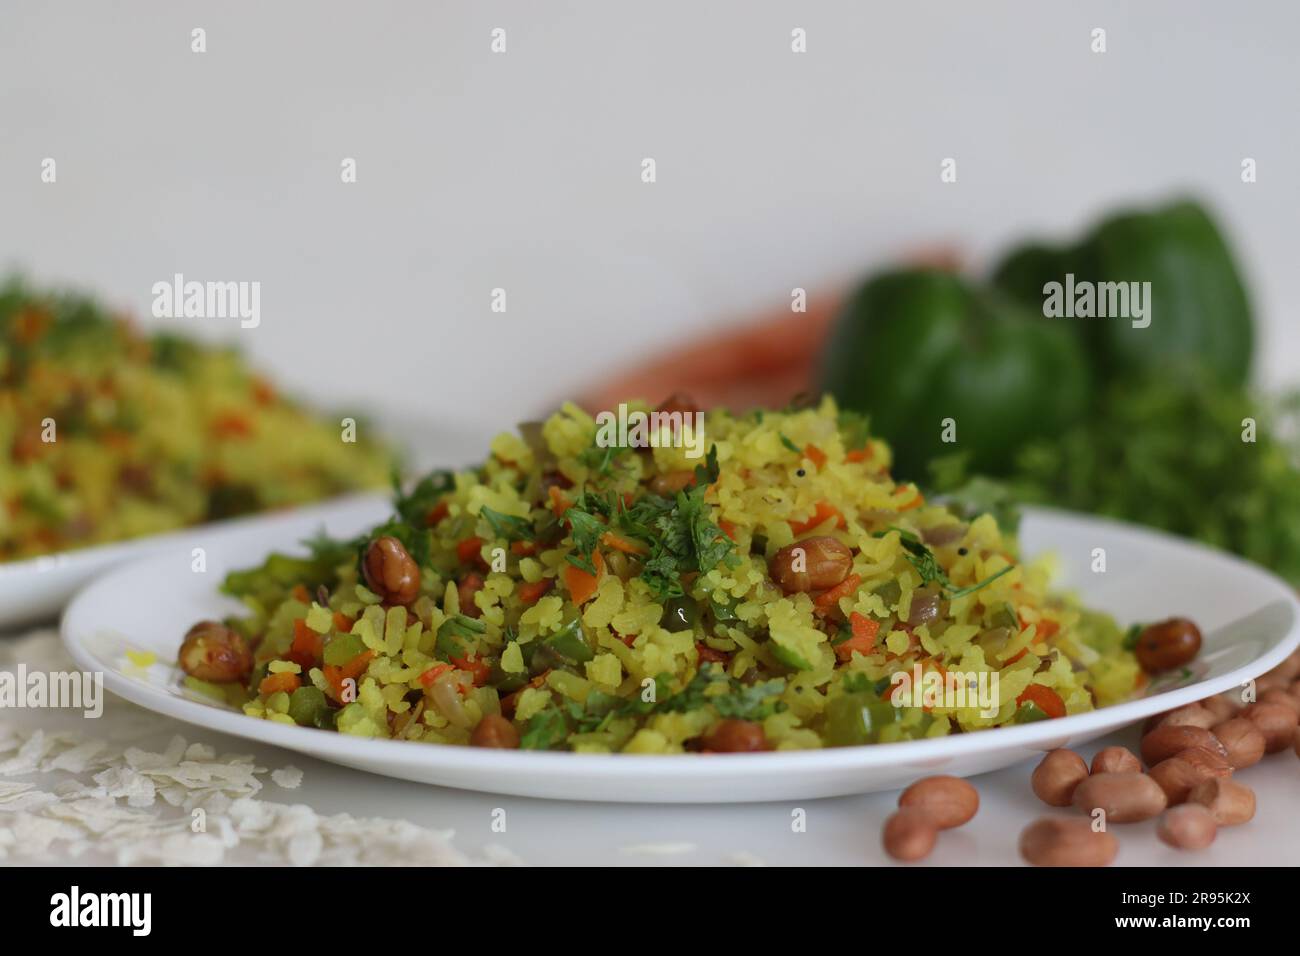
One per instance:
[(689, 767)]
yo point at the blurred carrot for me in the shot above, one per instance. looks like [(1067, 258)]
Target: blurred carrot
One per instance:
[(764, 363)]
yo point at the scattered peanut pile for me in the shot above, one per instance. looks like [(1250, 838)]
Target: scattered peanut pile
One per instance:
[(1191, 754)]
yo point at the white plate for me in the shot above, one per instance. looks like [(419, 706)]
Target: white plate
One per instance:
[(38, 588), (1250, 618)]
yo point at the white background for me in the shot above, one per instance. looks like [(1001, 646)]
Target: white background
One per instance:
[(522, 170)]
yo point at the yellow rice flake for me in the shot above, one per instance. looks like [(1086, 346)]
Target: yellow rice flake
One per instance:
[(283, 667), (647, 741), (608, 602), (141, 658), (532, 701), (897, 642), (530, 570), (542, 618), (512, 659), (605, 670)]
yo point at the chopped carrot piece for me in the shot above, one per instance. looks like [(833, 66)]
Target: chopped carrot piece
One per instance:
[(467, 551), (357, 666), (273, 683), (300, 593), (728, 528), (429, 676), (1015, 657), (342, 623), (531, 592), (437, 513), (232, 425), (582, 586), (859, 454), (559, 501), (1048, 700), (831, 596), (522, 549), (306, 644), (476, 666), (1047, 627), (823, 513), (863, 640), (620, 543), (914, 502), (816, 456), (709, 654)]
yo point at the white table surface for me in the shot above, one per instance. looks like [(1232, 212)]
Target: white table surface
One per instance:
[(841, 831)]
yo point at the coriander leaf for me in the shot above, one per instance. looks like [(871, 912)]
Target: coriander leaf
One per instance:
[(509, 527), (545, 730), (789, 444), (586, 532)]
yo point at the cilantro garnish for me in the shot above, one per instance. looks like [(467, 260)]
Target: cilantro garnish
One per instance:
[(509, 527), (927, 566)]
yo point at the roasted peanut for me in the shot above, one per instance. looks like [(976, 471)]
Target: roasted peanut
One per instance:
[(1278, 695), (1221, 707), (1206, 762), (1056, 776), (735, 736), (909, 835), (1056, 841), (1189, 827), (1229, 802), (1189, 715), (1115, 760), (1243, 740), (813, 564), (213, 652), (1126, 797), (468, 586), (496, 732), (1176, 777), (1276, 722), (668, 483), (1169, 644), (1168, 739), (950, 801), (390, 572)]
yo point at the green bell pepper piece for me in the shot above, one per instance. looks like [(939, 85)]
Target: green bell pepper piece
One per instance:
[(914, 347), (1200, 315), (571, 643)]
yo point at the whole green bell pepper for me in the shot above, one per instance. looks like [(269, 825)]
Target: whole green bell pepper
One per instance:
[(916, 347), (1199, 311)]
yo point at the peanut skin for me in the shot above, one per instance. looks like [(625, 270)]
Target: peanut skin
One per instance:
[(1058, 841), (949, 801), (1189, 827), (1243, 740), (1056, 776), (1115, 760), (1125, 797), (1167, 740), (1176, 777), (909, 835), (1229, 802), (1275, 721)]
